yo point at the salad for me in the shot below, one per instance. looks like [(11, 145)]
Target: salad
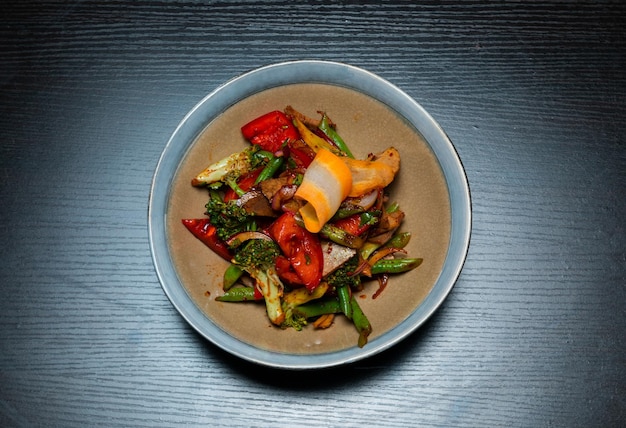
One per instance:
[(302, 222)]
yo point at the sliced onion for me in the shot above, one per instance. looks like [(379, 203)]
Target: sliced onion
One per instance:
[(383, 280), (367, 200), (245, 236), (284, 193), (362, 269)]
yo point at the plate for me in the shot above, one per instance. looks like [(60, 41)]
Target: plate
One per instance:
[(371, 114)]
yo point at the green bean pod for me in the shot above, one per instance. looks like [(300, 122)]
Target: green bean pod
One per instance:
[(239, 294), (395, 265), (270, 169), (232, 275), (332, 134), (399, 240), (347, 212), (318, 307), (368, 248), (361, 322), (341, 237), (343, 292), (263, 155)]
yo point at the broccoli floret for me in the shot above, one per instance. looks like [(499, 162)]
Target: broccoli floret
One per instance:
[(230, 168), (294, 319), (228, 217), (258, 258), (257, 253), (341, 276)]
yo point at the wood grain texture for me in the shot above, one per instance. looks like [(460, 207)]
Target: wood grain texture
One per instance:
[(531, 93)]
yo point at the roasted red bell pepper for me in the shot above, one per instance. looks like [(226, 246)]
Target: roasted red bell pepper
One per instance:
[(285, 270), (353, 224), (303, 258), (300, 155), (245, 183), (206, 232), (270, 131)]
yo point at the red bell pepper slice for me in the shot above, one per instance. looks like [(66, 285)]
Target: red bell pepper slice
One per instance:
[(301, 157), (270, 131), (286, 271), (245, 183), (301, 249), (352, 225), (206, 232), (257, 294)]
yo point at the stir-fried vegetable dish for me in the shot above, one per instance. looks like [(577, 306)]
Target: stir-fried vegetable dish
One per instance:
[(302, 223)]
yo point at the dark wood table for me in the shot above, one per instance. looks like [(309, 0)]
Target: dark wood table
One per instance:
[(533, 95)]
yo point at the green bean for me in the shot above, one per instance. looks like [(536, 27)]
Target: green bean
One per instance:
[(264, 154), (343, 292), (361, 322), (368, 248), (270, 169), (239, 294), (395, 265), (347, 212), (399, 240), (341, 237), (318, 307), (332, 134), (231, 276)]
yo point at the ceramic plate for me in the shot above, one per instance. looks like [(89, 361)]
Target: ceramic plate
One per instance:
[(371, 114)]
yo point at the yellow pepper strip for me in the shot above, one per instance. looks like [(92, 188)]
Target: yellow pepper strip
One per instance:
[(300, 296), (313, 141), (368, 175), (326, 183)]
